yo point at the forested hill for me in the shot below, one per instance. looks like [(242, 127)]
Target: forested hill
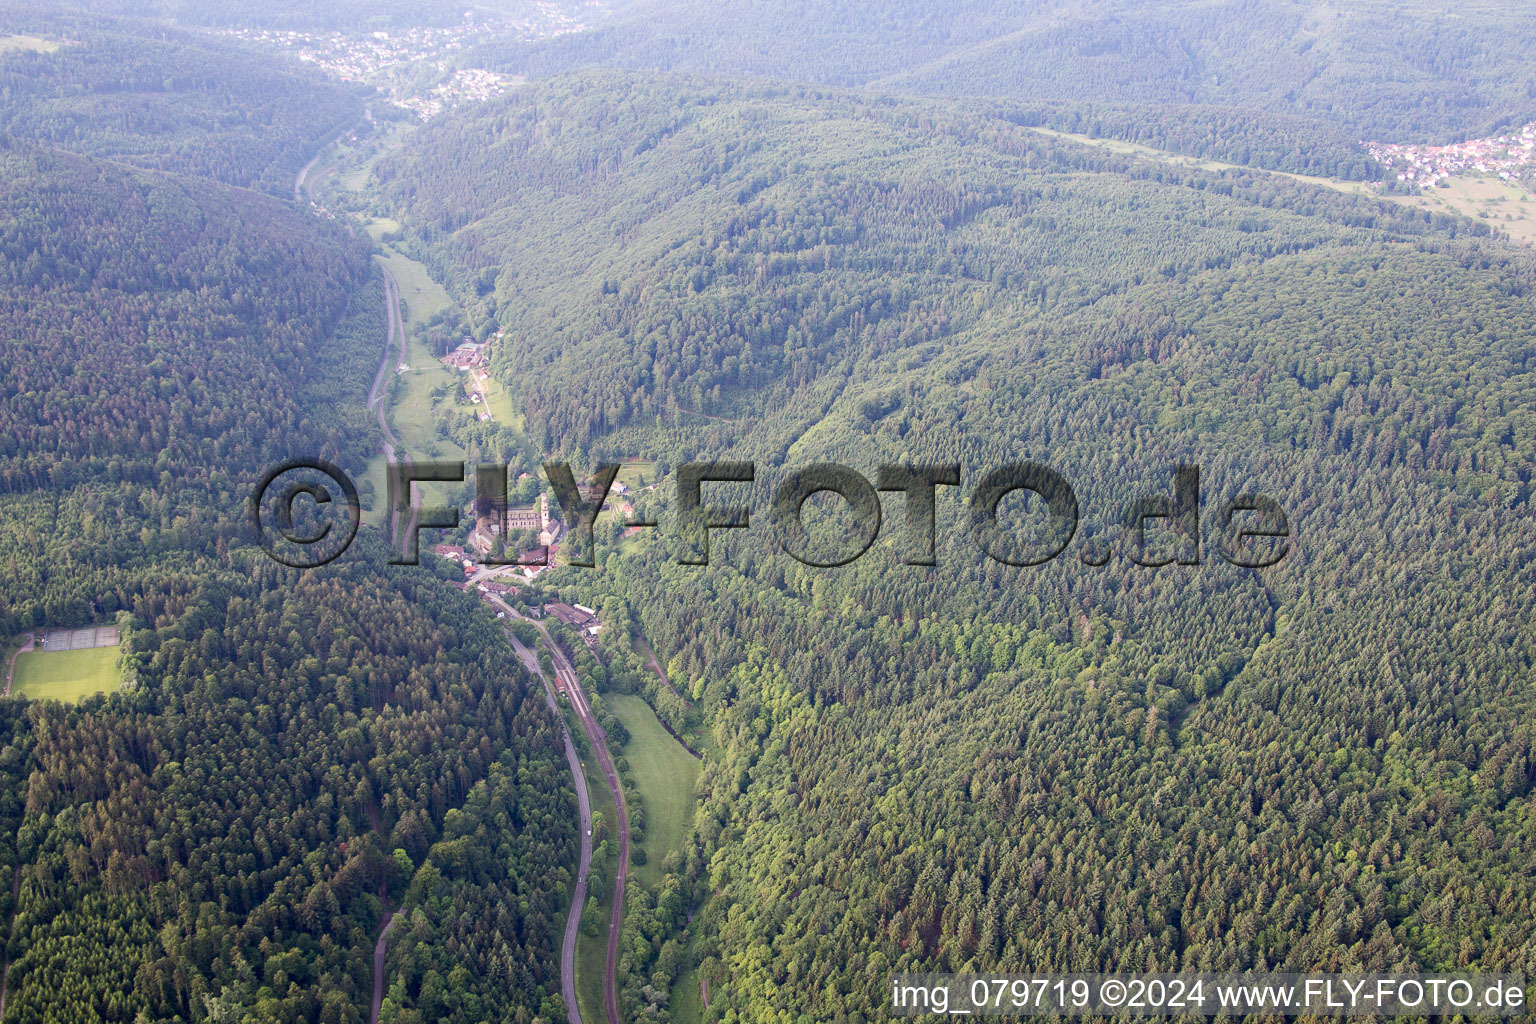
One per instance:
[(1375, 69), (163, 337), (223, 842), (156, 97), (157, 323), (1327, 764), (293, 756), (757, 244)]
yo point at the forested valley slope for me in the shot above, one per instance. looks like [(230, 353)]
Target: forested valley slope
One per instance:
[(294, 755), (1325, 765)]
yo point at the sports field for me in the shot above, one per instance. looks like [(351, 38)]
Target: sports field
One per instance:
[(65, 675)]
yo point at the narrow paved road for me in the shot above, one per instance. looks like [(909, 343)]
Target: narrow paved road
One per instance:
[(10, 668), (584, 806), (301, 180), (378, 965), (298, 180), (599, 740)]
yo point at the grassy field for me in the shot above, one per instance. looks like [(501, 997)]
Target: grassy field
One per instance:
[(11, 43), (378, 227), (637, 473), (373, 505), (420, 295), (499, 402), (1506, 207), (687, 1007), (357, 170), (415, 414), (664, 775), (1134, 149), (66, 675)]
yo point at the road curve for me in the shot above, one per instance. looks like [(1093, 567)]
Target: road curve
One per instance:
[(301, 180)]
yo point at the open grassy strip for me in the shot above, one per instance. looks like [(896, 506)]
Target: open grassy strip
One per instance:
[(14, 43), (637, 473), (1506, 207), (664, 775), (1148, 152), (66, 675), (414, 413), (686, 1005)]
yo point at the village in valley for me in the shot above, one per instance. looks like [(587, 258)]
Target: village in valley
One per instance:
[(1490, 179), (1511, 158), (497, 526), (424, 70)]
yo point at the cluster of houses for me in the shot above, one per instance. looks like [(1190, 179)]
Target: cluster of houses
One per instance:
[(472, 356), (534, 518), (395, 59), (1511, 158)]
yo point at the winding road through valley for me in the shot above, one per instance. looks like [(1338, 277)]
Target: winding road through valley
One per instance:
[(584, 864), (396, 354), (394, 348), (566, 674)]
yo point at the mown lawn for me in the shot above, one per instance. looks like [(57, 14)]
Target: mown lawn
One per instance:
[(66, 675), (664, 775)]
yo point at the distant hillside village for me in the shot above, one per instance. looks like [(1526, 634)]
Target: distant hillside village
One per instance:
[(1511, 158), (420, 69)]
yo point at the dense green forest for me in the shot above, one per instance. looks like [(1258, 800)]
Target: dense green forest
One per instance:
[(1323, 765), (1093, 764), (159, 333), (294, 756), (220, 844), (156, 97)]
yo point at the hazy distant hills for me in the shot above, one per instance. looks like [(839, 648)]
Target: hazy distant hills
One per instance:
[(1400, 71), (164, 99)]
